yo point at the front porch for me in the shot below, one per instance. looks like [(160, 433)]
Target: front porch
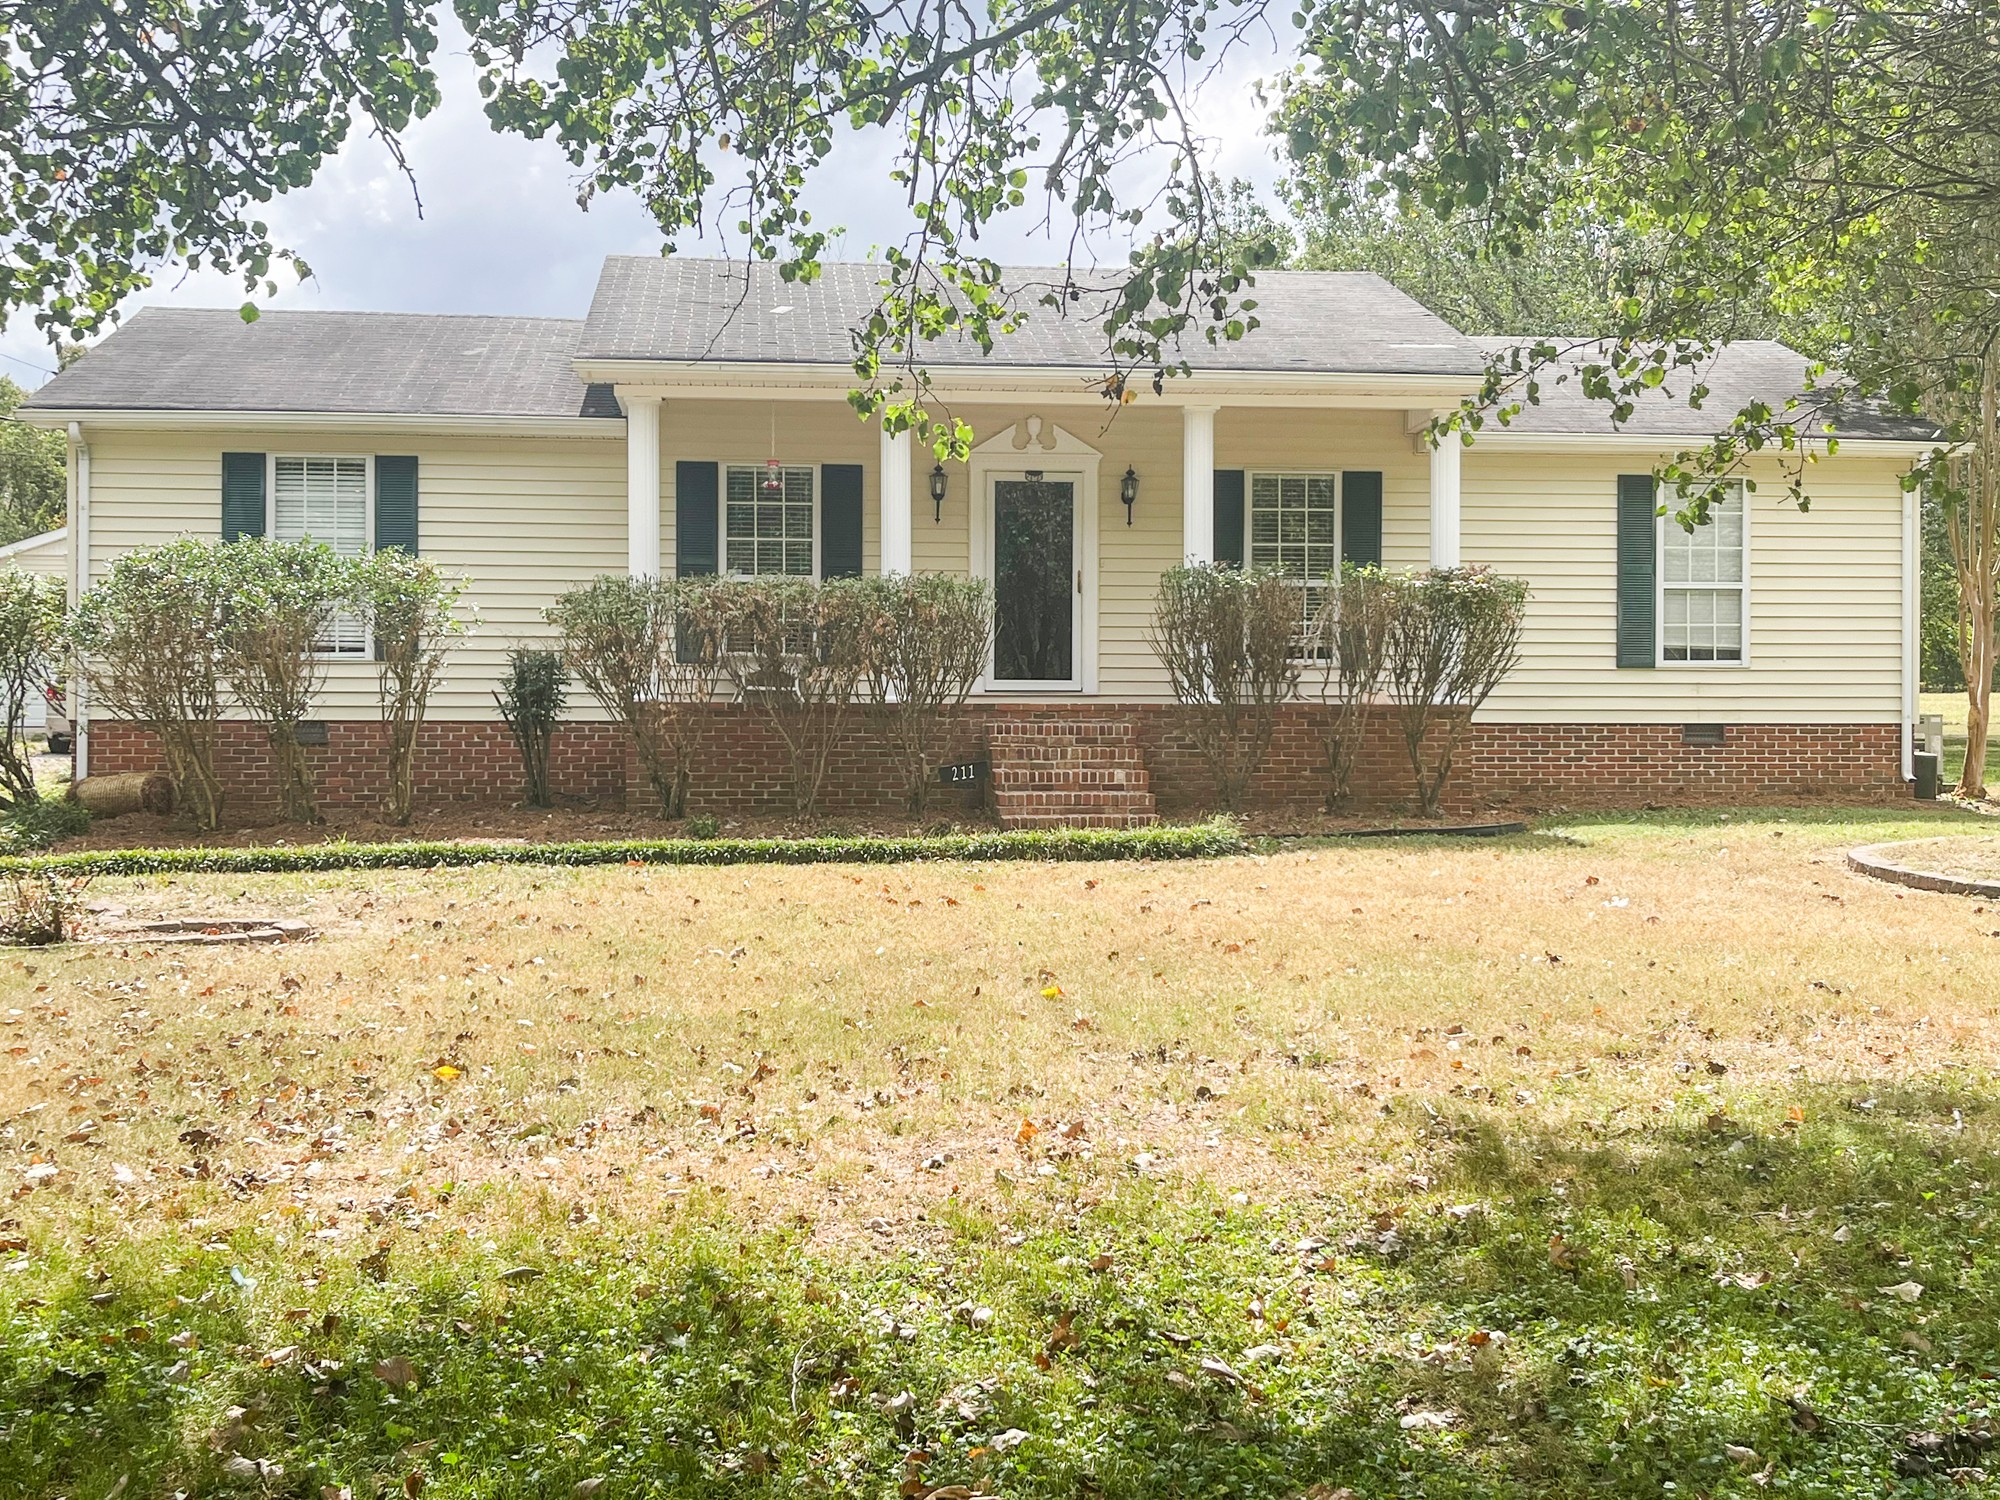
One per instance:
[(745, 483)]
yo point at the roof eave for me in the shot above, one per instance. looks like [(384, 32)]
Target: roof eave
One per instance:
[(762, 379), (167, 418), (1669, 442)]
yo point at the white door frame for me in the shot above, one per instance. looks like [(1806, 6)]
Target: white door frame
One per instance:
[(1030, 446)]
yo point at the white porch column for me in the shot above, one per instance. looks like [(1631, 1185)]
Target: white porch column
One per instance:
[(642, 486), (1198, 483), (1444, 501), (895, 501)]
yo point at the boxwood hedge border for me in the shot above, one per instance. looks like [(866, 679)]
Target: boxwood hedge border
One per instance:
[(1208, 840)]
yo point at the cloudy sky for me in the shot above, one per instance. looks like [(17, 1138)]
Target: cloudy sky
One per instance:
[(501, 232)]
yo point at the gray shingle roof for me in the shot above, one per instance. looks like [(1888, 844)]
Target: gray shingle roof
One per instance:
[(209, 359), (1736, 374), (1313, 322)]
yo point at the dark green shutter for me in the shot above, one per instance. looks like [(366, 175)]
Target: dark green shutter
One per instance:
[(1361, 517), (840, 520), (1638, 542), (697, 521), (242, 495), (396, 503), (1229, 517)]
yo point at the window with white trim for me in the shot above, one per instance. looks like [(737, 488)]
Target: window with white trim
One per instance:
[(1295, 528), (768, 519), (325, 499), (1704, 585)]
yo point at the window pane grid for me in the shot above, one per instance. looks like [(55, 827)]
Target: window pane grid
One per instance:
[(1295, 528), (325, 499), (768, 529), (1702, 575)]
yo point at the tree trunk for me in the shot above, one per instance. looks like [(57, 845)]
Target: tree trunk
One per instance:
[(1975, 549)]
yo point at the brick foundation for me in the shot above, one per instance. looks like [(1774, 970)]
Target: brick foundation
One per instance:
[(743, 769)]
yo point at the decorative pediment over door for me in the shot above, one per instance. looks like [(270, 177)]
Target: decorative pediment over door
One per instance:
[(1032, 439)]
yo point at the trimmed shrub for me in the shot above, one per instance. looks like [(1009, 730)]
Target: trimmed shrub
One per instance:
[(409, 604), (1228, 638), (650, 652), (285, 598), (38, 824), (31, 643), (149, 641), (531, 701), (800, 651), (927, 647), (1454, 633), (1350, 647), (1198, 841)]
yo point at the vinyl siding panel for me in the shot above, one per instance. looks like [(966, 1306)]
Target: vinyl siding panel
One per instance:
[(47, 559), (1826, 615), (523, 518), (527, 517)]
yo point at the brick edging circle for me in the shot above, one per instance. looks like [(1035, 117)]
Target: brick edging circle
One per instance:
[(1870, 861)]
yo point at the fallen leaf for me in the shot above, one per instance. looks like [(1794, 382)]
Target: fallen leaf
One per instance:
[(1904, 1291), (396, 1371)]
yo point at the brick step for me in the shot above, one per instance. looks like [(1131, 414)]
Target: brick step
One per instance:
[(1076, 773)]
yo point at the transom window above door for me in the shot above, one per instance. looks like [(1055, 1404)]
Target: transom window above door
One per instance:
[(768, 520)]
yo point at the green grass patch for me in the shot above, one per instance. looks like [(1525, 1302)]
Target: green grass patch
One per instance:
[(1701, 1306), (1190, 841)]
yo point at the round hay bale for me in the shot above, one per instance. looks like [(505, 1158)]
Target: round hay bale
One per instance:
[(124, 792)]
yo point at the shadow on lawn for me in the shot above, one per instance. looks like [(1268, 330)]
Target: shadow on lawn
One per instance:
[(1695, 1298)]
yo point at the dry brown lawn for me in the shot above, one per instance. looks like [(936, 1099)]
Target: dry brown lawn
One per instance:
[(852, 1048)]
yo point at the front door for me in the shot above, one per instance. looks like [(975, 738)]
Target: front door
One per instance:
[(1036, 581)]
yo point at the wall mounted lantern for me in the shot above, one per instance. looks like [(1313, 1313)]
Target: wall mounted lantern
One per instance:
[(1128, 491), (937, 493)]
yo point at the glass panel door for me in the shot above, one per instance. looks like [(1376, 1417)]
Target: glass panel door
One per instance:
[(1034, 581)]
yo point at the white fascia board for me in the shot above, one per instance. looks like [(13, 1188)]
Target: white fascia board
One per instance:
[(739, 380), (35, 543), (151, 420), (1668, 444)]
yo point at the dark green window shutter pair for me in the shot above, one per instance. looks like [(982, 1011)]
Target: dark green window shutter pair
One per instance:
[(1360, 517), (698, 520), (244, 502), (1638, 565)]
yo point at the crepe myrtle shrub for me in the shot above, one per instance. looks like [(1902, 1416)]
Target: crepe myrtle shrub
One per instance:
[(531, 701), (149, 641), (1229, 639), (1349, 645), (927, 647), (31, 648), (410, 607), (285, 600), (800, 652), (1453, 634), (649, 650)]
